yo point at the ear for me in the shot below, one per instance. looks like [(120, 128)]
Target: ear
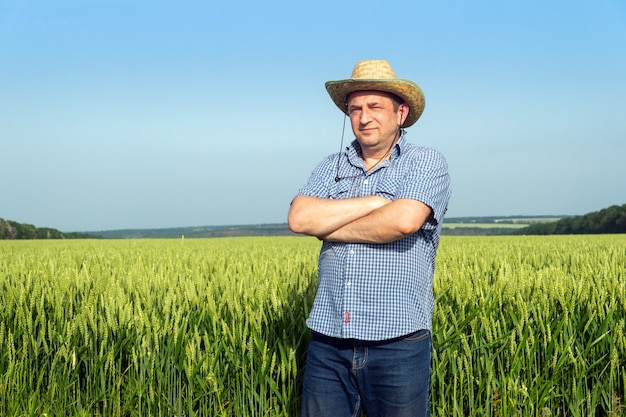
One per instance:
[(403, 113)]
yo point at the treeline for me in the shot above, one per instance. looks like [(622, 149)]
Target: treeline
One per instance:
[(608, 220), (280, 229), (10, 230)]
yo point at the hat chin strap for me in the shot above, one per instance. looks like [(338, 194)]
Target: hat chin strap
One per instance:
[(401, 132), (343, 131)]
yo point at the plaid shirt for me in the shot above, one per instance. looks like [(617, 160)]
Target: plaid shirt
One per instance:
[(379, 291)]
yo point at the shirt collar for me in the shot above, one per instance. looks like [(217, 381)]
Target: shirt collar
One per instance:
[(354, 152)]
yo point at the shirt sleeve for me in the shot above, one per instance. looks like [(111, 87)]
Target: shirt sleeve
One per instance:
[(318, 184), (427, 180)]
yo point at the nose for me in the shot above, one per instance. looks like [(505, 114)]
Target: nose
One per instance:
[(364, 117)]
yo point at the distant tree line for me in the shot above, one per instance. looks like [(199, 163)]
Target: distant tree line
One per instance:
[(277, 229), (609, 220), (10, 230)]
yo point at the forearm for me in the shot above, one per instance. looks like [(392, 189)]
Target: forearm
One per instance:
[(320, 216), (386, 224)]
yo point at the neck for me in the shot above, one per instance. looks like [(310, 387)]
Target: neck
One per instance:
[(373, 161)]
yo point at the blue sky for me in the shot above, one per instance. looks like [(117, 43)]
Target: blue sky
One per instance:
[(147, 114)]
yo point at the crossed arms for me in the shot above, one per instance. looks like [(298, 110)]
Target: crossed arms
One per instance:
[(370, 219)]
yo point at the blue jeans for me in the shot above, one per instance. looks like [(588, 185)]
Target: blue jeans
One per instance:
[(387, 378)]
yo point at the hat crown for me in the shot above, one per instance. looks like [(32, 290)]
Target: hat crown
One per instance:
[(376, 69), (377, 75)]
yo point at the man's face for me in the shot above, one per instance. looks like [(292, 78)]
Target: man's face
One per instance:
[(375, 120)]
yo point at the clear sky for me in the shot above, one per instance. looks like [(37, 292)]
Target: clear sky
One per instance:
[(149, 114)]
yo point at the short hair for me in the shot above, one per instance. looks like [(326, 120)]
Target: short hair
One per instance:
[(397, 101)]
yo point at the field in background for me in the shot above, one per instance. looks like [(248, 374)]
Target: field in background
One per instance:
[(524, 326), (451, 226), (503, 223), (484, 225)]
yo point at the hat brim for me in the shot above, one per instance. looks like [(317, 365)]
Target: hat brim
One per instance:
[(405, 89)]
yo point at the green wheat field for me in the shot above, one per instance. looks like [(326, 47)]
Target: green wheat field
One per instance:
[(523, 326)]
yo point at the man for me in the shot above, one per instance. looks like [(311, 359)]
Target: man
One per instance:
[(378, 208)]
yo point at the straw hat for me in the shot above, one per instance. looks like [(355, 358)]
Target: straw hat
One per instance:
[(378, 75)]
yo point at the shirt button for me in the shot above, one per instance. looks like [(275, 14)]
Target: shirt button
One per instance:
[(364, 181), (351, 251), (348, 284)]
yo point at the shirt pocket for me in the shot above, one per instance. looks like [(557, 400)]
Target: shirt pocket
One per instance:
[(341, 189), (388, 188)]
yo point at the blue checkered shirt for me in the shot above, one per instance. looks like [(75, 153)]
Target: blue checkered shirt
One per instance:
[(379, 291)]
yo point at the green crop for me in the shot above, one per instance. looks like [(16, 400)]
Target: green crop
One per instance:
[(523, 326)]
